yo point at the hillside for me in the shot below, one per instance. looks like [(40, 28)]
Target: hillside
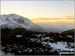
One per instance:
[(69, 32), (24, 42)]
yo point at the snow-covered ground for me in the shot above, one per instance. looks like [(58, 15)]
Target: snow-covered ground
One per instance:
[(59, 46)]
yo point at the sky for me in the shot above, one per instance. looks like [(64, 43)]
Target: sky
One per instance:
[(55, 12)]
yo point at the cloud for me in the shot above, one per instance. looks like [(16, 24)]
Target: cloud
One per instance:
[(68, 0), (48, 18), (46, 27), (37, 27), (54, 20), (69, 16)]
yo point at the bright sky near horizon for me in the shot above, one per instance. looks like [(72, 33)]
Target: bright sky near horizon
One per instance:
[(41, 11)]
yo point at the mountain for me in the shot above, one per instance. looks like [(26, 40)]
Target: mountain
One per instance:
[(69, 32), (13, 21)]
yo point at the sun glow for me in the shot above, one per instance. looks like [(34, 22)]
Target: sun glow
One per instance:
[(54, 21)]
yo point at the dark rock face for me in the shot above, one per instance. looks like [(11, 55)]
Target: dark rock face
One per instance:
[(23, 42), (68, 32)]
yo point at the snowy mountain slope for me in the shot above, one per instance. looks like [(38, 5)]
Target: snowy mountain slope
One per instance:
[(14, 21)]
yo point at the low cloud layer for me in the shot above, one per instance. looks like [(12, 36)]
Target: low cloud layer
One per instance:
[(46, 27)]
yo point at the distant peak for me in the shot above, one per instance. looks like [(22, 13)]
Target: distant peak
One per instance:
[(13, 14), (14, 21)]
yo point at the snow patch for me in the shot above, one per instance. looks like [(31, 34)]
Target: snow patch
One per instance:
[(59, 46), (18, 35)]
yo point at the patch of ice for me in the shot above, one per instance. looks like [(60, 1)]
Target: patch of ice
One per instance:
[(59, 46), (62, 46), (39, 35), (69, 36), (46, 38), (30, 50), (44, 43), (18, 35)]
